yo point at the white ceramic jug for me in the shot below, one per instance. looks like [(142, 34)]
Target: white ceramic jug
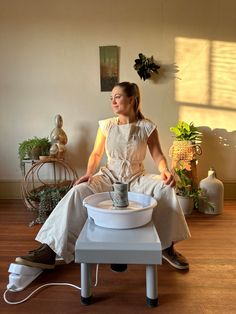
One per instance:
[(215, 194)]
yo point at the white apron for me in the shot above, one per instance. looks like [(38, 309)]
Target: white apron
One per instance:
[(126, 147)]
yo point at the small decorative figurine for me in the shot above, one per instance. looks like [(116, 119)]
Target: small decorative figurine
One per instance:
[(58, 139)]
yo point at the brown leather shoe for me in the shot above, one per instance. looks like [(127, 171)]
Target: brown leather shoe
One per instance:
[(43, 257), (175, 259)]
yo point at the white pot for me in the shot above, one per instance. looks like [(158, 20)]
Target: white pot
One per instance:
[(186, 203), (138, 213)]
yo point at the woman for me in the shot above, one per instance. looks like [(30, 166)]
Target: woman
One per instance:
[(125, 139)]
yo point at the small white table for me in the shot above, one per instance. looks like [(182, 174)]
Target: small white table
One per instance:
[(112, 246)]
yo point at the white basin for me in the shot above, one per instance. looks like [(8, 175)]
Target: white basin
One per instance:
[(137, 214)]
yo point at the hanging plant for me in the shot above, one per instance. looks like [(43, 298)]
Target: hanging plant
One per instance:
[(145, 67)]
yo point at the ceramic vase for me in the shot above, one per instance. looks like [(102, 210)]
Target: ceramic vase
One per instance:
[(214, 189)]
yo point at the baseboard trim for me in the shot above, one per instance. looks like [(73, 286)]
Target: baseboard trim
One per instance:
[(12, 190), (229, 190)]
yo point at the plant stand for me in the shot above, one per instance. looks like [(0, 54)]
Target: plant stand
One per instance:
[(44, 184), (186, 152)]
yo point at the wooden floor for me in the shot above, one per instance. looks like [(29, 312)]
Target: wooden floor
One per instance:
[(209, 286)]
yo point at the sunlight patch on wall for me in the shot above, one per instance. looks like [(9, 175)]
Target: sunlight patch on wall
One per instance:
[(213, 118), (193, 62), (223, 74), (207, 79)]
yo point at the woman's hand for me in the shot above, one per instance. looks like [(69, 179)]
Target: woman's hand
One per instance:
[(168, 177), (85, 178)]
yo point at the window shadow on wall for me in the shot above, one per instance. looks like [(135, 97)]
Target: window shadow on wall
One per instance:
[(219, 152), (206, 94)]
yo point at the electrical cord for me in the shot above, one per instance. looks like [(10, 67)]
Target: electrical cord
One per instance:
[(48, 285)]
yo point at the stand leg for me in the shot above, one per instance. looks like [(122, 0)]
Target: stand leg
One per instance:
[(151, 285), (86, 293)]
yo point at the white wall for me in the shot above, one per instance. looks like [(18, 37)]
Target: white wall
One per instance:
[(49, 61)]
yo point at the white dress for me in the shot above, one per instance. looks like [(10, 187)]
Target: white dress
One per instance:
[(126, 147)]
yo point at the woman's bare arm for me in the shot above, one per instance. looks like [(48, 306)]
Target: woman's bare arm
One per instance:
[(159, 158)]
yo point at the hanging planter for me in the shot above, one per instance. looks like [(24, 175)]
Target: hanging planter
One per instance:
[(145, 67)]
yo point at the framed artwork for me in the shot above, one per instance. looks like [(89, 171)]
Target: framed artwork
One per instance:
[(109, 67)]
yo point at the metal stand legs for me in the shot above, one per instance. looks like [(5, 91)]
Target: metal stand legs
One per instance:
[(86, 292), (151, 285)]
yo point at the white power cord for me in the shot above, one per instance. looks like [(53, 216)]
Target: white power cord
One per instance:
[(47, 285)]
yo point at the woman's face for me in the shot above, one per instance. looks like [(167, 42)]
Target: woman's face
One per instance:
[(121, 104)]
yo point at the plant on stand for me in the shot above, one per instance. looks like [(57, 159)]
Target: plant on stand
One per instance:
[(33, 148), (184, 151), (186, 132), (186, 147)]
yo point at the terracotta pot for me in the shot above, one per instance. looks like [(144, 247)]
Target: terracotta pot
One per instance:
[(44, 158)]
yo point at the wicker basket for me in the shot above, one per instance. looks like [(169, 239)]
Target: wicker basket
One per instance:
[(184, 150)]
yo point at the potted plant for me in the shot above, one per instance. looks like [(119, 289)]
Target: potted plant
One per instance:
[(188, 195), (187, 141), (45, 146), (186, 132), (33, 148), (45, 198), (186, 147), (145, 67)]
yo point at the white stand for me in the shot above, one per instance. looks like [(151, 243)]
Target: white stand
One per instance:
[(113, 246)]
